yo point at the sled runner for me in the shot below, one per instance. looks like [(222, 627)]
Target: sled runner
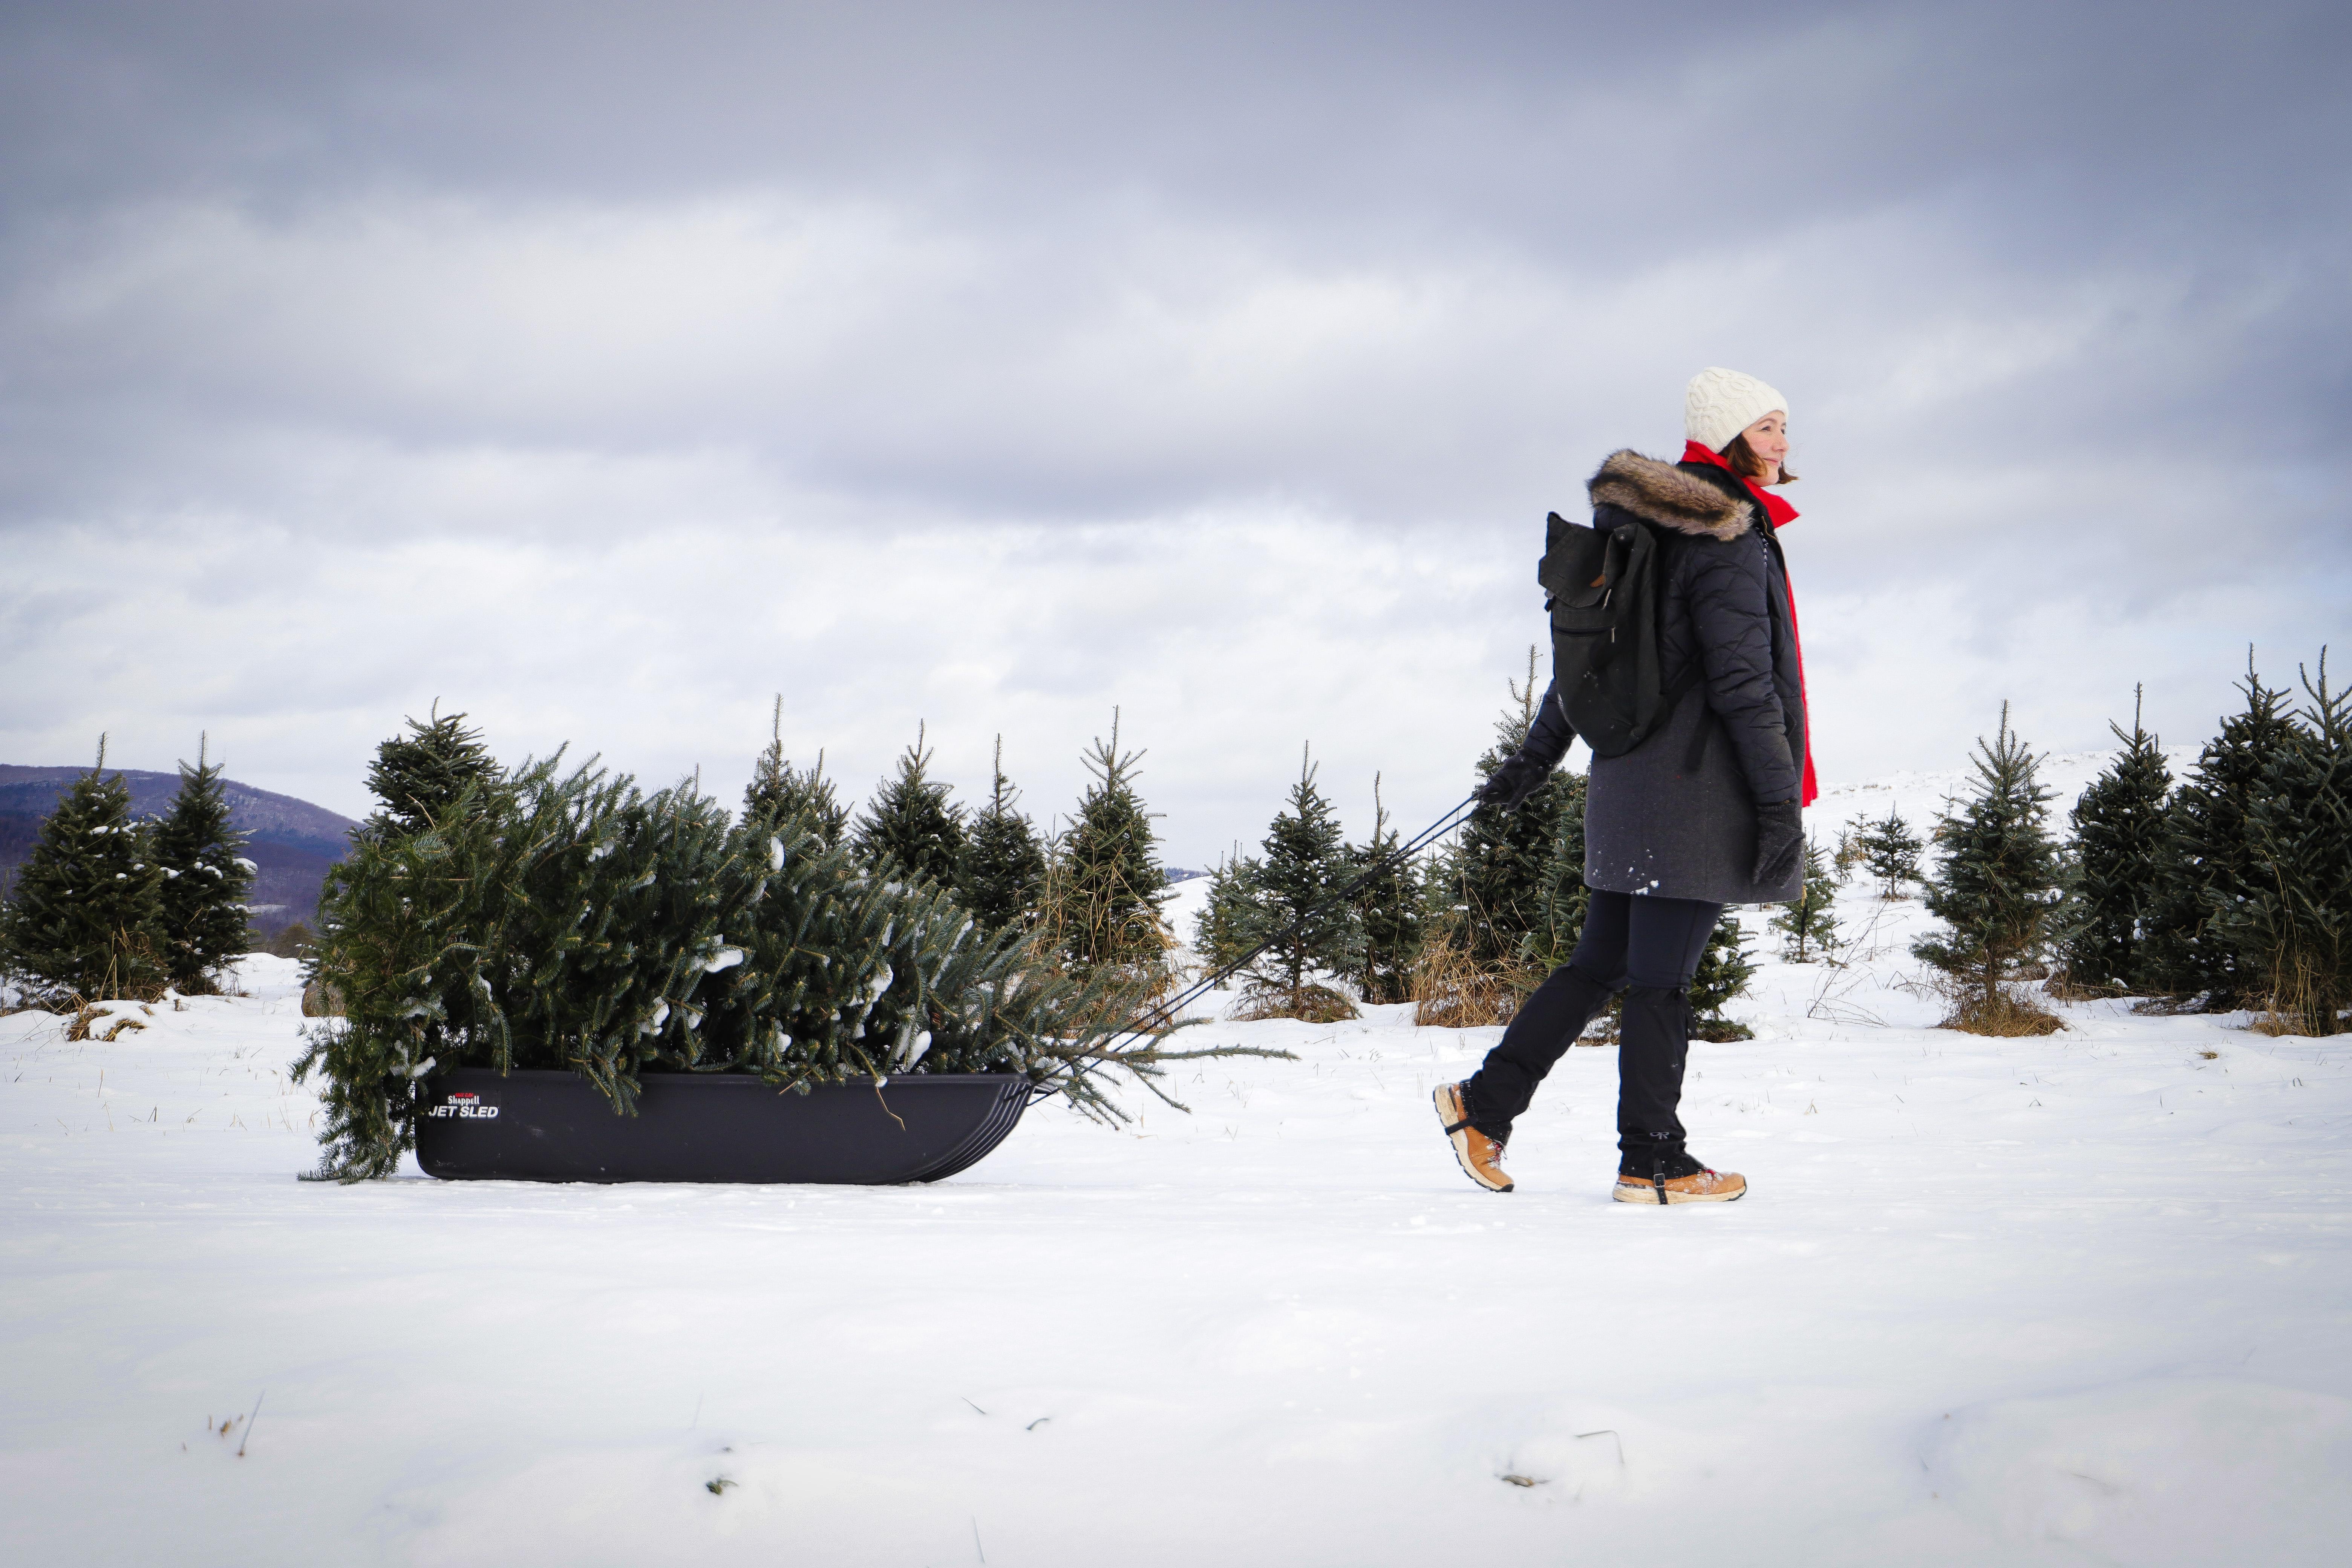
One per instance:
[(555, 1126)]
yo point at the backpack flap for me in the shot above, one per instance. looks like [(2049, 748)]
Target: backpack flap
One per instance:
[(1574, 570)]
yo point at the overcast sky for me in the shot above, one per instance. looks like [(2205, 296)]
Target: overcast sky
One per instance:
[(604, 371)]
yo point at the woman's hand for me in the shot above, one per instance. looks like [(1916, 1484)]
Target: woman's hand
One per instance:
[(1516, 780), (1780, 841)]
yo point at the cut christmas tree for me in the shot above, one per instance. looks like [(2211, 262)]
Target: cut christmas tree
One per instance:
[(568, 922), (416, 777)]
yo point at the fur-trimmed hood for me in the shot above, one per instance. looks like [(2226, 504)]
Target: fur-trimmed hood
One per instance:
[(1662, 493)]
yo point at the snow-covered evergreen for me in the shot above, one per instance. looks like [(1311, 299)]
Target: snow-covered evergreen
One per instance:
[(200, 903), (82, 920)]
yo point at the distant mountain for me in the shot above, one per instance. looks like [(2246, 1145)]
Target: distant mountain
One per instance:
[(292, 840)]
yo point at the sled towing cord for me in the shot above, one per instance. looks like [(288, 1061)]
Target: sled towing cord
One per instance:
[(1174, 1008)]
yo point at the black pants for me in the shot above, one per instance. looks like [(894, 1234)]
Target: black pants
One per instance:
[(1648, 948)]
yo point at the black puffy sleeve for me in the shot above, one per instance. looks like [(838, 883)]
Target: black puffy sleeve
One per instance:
[(1725, 582), (1550, 736)]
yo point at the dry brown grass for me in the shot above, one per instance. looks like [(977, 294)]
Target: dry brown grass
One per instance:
[(88, 1016), (1149, 945), (2008, 1009), (2276, 1021), (2296, 1004), (1309, 1005), (2005, 1012), (1451, 990)]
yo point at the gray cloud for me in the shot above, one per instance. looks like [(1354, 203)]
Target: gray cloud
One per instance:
[(606, 369)]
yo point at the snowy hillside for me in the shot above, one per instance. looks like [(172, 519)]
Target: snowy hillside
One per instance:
[(2056, 1301), (292, 842)]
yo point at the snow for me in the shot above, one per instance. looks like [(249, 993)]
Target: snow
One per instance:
[(2059, 1300)]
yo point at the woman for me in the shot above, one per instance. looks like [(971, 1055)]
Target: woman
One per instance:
[(1703, 814)]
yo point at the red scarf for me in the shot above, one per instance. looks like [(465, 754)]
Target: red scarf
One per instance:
[(1782, 514)]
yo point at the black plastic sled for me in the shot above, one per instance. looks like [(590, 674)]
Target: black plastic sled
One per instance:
[(476, 1124)]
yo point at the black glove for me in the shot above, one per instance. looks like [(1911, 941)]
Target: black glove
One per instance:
[(1780, 841), (1512, 784)]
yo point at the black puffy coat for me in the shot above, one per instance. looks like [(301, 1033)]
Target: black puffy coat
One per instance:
[(1675, 817)]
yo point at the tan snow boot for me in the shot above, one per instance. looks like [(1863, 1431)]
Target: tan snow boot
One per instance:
[(1703, 1188), (1481, 1156)]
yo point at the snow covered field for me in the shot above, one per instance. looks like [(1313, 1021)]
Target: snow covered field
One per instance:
[(2085, 1298)]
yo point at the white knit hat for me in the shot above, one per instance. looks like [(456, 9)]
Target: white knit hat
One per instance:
[(1722, 402)]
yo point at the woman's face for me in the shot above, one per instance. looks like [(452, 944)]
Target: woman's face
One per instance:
[(1768, 439)]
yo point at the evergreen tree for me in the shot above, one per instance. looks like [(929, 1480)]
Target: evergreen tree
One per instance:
[(1105, 882), (1847, 854), (2119, 827), (1500, 870), (1233, 921), (2206, 865), (1561, 897), (1724, 971), (201, 900), (779, 794), (1313, 931), (1808, 923), (2000, 882), (420, 775), (82, 920), (1387, 908), (1003, 871), (909, 824), (1890, 853), (2294, 929)]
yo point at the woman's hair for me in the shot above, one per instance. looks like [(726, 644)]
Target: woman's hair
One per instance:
[(1748, 465)]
